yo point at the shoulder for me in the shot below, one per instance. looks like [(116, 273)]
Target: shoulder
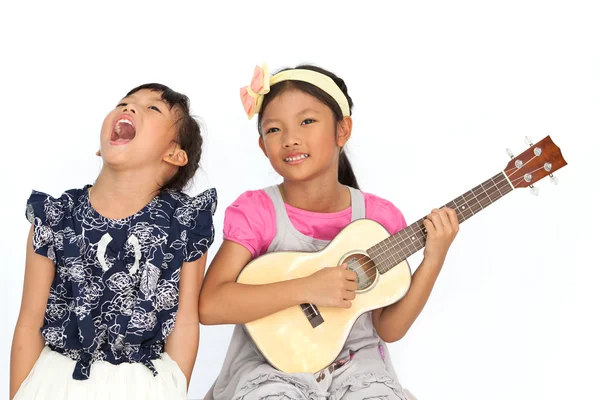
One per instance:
[(384, 212), (52, 210), (192, 220), (51, 218), (250, 221), (251, 199), (254, 205), (205, 201)]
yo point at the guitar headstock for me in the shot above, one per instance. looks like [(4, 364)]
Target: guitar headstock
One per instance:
[(540, 160)]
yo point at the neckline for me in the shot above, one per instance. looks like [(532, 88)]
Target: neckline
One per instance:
[(316, 214), (294, 231), (324, 215), (101, 217)]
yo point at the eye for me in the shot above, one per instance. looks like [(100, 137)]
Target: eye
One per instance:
[(121, 104), (154, 108), (272, 130), (307, 121)]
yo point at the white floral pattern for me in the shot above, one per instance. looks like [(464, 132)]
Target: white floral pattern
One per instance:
[(117, 299)]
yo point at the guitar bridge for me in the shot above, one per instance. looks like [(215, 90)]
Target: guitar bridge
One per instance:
[(312, 314)]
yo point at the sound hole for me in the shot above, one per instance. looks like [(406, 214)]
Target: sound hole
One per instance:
[(365, 269)]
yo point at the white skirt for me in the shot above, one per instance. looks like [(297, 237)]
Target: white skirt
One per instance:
[(51, 378)]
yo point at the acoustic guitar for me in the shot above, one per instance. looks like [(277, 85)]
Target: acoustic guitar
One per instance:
[(307, 338)]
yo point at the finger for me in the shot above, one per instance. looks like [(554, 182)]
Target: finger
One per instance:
[(443, 214), (350, 275), (344, 266), (345, 304), (453, 219), (428, 225), (349, 295), (437, 221), (352, 286)]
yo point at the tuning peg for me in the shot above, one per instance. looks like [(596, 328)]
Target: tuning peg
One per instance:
[(534, 191), (528, 141), (510, 153), (553, 179)]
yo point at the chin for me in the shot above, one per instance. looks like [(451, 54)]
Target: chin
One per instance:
[(295, 176), (117, 159)]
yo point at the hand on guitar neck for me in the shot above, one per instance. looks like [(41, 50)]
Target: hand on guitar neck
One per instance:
[(442, 227), (393, 321)]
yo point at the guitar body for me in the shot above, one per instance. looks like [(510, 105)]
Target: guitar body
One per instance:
[(288, 339)]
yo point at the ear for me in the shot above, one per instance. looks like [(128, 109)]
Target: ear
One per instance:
[(177, 157), (261, 144), (344, 131)]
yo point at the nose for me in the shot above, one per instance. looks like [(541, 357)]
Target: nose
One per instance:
[(290, 139), (129, 107)]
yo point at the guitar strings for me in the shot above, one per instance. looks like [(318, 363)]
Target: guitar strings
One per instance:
[(406, 240)]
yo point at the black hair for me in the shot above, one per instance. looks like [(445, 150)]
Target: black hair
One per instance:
[(188, 133)]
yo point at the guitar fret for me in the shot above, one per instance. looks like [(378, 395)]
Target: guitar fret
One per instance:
[(408, 240), (390, 253), (413, 238), (466, 197), (478, 203), (492, 191), (383, 256), (459, 211), (486, 194)]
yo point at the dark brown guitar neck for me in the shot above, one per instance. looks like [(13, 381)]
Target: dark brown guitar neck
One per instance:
[(397, 248)]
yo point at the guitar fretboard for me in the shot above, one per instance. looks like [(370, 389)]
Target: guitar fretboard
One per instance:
[(397, 248)]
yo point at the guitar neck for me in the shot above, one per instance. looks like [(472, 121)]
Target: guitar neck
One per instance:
[(397, 248)]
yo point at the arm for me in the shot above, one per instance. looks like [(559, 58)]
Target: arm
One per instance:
[(182, 343), (392, 322), (27, 340), (224, 301)]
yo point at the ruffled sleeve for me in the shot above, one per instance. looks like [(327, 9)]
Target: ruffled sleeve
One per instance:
[(46, 214), (195, 217), (250, 222)]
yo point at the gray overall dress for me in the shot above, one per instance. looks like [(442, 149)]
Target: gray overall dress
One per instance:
[(368, 375)]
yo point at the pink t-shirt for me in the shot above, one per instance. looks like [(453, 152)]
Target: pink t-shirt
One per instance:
[(250, 220)]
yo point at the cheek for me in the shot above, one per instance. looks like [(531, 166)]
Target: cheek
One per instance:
[(107, 125), (271, 145), (159, 137), (324, 142)]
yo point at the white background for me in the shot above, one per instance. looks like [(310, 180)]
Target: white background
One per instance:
[(441, 89)]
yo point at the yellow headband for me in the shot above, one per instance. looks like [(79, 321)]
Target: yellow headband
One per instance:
[(252, 95)]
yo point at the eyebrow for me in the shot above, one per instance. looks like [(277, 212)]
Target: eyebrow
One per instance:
[(267, 121), (307, 110), (152, 99), (304, 111)]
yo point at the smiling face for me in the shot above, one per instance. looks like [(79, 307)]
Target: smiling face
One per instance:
[(140, 131), (301, 137)]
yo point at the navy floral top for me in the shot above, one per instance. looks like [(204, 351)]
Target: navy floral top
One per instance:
[(115, 293)]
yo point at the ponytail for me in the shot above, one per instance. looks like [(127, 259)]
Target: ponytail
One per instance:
[(345, 173)]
